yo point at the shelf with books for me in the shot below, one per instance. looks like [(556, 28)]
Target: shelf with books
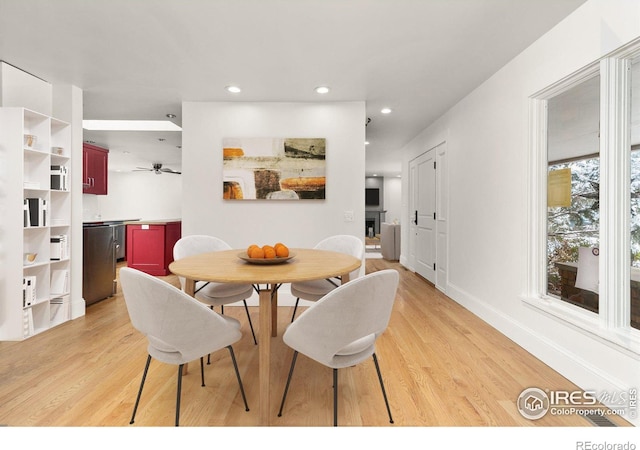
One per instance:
[(37, 277), (60, 310), (37, 241), (59, 247)]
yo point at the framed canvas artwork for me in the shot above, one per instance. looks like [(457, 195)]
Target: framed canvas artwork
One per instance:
[(273, 168)]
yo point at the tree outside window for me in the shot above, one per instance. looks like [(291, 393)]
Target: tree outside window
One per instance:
[(574, 226)]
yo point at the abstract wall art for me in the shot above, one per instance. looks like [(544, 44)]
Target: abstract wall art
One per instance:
[(274, 168)]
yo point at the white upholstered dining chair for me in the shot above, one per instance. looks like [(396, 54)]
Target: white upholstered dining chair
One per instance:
[(340, 330), (314, 290), (213, 294), (178, 328)]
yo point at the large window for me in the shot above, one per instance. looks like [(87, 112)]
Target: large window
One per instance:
[(573, 192), (573, 226), (585, 199)]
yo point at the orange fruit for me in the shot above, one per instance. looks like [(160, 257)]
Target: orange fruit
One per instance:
[(281, 250), (269, 251), (251, 247), (256, 252)]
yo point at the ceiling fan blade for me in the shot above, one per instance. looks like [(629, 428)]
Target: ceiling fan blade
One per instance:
[(157, 169)]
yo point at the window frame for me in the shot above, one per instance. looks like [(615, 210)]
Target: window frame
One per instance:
[(612, 323)]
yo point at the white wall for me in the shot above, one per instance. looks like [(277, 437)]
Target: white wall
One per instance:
[(23, 90), (68, 106), (393, 199), (297, 223), (136, 195), (487, 144)]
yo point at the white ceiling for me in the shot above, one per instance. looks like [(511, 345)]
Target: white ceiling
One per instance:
[(140, 59)]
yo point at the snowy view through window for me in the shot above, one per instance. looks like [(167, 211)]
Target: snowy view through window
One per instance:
[(569, 228)]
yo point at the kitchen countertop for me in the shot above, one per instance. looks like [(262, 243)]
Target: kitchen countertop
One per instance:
[(153, 222), (93, 223)]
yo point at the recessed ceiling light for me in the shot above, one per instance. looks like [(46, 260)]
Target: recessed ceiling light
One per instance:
[(171, 116), (322, 89), (130, 125), (385, 110), (233, 89)]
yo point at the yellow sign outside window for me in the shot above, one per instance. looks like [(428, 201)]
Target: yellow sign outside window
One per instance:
[(559, 188)]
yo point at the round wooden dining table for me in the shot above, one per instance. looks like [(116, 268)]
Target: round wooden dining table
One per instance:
[(228, 267)]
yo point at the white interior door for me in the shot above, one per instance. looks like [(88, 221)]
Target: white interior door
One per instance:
[(422, 172), (413, 196), (442, 214)]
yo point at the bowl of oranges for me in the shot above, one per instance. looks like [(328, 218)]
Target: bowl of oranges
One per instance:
[(267, 254)]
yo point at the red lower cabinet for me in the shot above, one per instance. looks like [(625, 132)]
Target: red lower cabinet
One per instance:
[(150, 245)]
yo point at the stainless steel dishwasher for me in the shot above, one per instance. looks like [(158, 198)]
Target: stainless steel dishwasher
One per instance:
[(99, 263)]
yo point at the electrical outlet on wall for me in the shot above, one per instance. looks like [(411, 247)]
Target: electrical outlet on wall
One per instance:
[(348, 216)]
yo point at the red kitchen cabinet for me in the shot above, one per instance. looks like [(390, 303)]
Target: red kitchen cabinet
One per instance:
[(95, 165), (150, 245)]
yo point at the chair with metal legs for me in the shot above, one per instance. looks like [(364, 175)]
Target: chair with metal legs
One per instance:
[(340, 329), (213, 294), (314, 290), (178, 328)]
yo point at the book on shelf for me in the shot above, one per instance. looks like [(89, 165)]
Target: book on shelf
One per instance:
[(60, 309), (27, 215), (60, 299), (59, 178), (59, 247), (37, 212), (28, 290), (27, 323), (59, 282)]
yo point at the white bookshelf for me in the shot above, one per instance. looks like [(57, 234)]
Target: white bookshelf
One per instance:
[(27, 175)]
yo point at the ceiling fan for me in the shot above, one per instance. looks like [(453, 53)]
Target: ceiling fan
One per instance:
[(157, 168)]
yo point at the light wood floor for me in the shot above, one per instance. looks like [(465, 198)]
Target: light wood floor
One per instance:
[(442, 367)]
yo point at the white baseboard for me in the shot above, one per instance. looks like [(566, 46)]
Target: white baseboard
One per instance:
[(559, 357), (405, 262)]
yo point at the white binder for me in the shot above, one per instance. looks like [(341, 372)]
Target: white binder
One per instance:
[(28, 290), (59, 282)]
